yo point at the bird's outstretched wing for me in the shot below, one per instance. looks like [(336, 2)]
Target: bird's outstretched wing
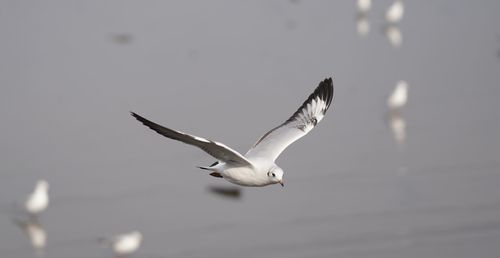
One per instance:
[(299, 124), (216, 149)]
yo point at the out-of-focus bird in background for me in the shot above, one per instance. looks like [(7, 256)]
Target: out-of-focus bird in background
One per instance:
[(398, 97), (393, 16), (395, 12), (364, 5), (124, 244), (38, 200), (395, 102), (362, 23)]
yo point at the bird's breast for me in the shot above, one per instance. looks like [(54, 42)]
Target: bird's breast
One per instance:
[(244, 176)]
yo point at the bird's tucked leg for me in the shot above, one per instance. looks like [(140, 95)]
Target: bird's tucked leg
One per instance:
[(216, 174)]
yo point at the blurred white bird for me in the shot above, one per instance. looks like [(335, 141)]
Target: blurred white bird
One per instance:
[(364, 5), (395, 12), (399, 96), (394, 35), (125, 244), (38, 200)]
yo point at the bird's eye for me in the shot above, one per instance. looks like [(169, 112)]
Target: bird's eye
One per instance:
[(273, 174)]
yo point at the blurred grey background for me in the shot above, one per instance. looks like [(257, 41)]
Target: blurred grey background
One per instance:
[(70, 72)]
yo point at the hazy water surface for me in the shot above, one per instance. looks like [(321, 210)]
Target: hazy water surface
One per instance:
[(70, 72)]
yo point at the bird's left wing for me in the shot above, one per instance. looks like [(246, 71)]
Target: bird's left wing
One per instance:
[(216, 149), (299, 124)]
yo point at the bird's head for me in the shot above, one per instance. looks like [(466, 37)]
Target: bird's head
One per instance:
[(275, 175), (402, 87), (42, 185)]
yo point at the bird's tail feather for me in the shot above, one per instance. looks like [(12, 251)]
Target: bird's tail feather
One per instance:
[(211, 167), (206, 168)]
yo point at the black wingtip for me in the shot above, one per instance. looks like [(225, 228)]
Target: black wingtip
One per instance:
[(138, 117), (145, 122), (325, 90), (325, 93)]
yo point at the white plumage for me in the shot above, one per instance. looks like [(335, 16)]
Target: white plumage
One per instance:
[(399, 96), (395, 12), (364, 5), (38, 200), (257, 167), (126, 243)]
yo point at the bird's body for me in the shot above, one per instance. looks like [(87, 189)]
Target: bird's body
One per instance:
[(257, 167), (395, 12), (38, 200), (398, 97), (126, 243), (364, 5), (244, 175)]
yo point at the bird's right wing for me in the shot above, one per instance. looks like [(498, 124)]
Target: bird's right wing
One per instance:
[(216, 149), (309, 114)]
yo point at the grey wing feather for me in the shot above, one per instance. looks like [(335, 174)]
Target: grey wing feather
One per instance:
[(307, 116), (215, 149)]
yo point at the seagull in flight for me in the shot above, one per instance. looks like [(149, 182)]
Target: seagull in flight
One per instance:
[(257, 167)]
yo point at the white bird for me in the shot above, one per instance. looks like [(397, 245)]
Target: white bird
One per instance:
[(38, 200), (399, 96), (395, 12), (126, 243), (364, 5), (257, 167)]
